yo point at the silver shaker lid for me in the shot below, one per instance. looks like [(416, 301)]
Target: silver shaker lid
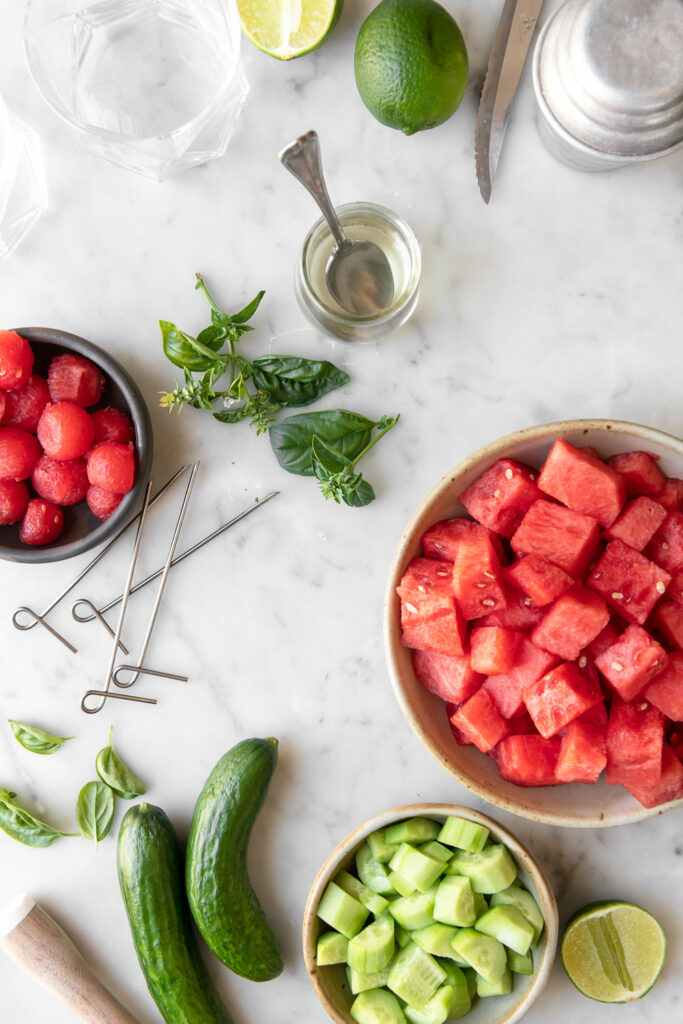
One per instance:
[(611, 72)]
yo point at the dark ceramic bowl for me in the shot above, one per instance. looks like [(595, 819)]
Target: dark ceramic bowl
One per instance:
[(82, 530)]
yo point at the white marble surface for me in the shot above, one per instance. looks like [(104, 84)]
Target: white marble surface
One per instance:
[(560, 299)]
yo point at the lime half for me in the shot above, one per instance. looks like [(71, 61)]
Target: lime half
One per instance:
[(288, 28), (613, 951)]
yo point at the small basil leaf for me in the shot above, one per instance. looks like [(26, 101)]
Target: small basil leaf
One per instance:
[(179, 347), (95, 810), (116, 775), (22, 826), (326, 460), (291, 439), (358, 494), (248, 311), (292, 381), (36, 740), (231, 415)]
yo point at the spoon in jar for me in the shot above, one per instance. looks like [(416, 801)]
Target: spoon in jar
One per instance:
[(358, 274)]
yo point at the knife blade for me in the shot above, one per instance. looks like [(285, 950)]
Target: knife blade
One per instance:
[(506, 62)]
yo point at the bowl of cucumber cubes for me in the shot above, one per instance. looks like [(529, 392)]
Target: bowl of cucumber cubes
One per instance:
[(429, 913)]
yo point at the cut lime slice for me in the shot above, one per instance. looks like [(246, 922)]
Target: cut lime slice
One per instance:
[(288, 28), (613, 951)]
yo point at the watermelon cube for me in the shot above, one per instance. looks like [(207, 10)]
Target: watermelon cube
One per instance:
[(632, 661), (519, 612), (671, 495), (669, 785), (507, 689), (451, 678), (441, 540), (480, 721), (668, 620), (501, 496), (638, 523), (580, 480), (674, 592), (628, 581), (640, 471), (528, 760), (565, 537), (559, 697), (522, 723), (493, 649), (477, 576), (666, 547), (430, 618), (458, 736), (538, 578), (597, 715), (583, 754), (635, 736), (572, 621), (606, 637), (666, 691)]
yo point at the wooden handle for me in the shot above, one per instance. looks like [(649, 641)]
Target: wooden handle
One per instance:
[(42, 949)]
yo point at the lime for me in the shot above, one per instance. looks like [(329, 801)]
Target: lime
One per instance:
[(411, 64), (285, 29), (613, 951)]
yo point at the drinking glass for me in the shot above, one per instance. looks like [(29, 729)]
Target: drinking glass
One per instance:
[(22, 185)]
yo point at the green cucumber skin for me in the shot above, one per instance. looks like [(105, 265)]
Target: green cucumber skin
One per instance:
[(222, 900), (150, 872)]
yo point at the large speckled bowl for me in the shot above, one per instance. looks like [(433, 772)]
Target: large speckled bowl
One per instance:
[(574, 805)]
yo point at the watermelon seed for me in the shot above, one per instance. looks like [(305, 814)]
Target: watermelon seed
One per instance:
[(617, 666), (411, 608), (617, 596), (596, 576), (496, 494), (508, 474), (527, 601), (660, 586), (488, 602), (480, 585), (489, 575), (665, 546), (583, 661)]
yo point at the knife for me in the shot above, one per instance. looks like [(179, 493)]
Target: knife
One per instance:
[(506, 62)]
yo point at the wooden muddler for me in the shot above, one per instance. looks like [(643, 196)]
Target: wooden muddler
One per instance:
[(37, 943)]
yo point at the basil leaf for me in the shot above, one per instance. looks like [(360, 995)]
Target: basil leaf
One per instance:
[(95, 810), (116, 775), (22, 826), (292, 381), (248, 311), (291, 439), (36, 740), (326, 460), (359, 494), (179, 349)]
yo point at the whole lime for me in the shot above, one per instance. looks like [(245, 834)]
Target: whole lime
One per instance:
[(411, 64)]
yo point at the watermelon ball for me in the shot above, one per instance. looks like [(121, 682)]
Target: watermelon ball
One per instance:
[(63, 482), (112, 425), (13, 501), (73, 378), (102, 503), (16, 360), (42, 523), (19, 453), (24, 406), (65, 430), (111, 466)]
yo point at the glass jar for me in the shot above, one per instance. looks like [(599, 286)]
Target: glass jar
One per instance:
[(361, 222), (23, 197)]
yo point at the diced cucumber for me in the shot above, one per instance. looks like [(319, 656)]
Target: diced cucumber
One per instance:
[(371, 872), (436, 939), (454, 903), (520, 964), (331, 949), (341, 911), (502, 987), (464, 834), (471, 979), (482, 952), (415, 830), (416, 911), (377, 1007), (437, 1010), (373, 947), (380, 849), (436, 850), (457, 978), (399, 883), (402, 937), (364, 982), (416, 867), (489, 871), (526, 904), (480, 904), (506, 924), (415, 976), (375, 903)]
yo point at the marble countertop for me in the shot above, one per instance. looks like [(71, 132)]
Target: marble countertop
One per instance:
[(560, 299)]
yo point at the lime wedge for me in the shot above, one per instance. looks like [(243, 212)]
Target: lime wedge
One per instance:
[(288, 28), (613, 951)]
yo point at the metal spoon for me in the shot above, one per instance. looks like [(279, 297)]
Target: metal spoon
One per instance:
[(358, 274)]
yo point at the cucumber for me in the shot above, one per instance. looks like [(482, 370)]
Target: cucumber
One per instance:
[(412, 912), (415, 830), (400, 884), (331, 949), (436, 939), (341, 911), (380, 849), (485, 954), (150, 873), (489, 871), (377, 1007), (525, 903), (416, 867), (503, 987), (454, 903), (373, 948), (520, 964), (464, 834), (436, 850), (506, 924), (371, 872), (415, 976), (375, 903), (222, 900), (359, 982)]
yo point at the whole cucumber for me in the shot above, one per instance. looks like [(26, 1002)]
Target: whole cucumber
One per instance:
[(151, 877), (222, 900)]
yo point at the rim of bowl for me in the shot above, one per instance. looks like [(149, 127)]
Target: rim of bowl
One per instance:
[(543, 894), (144, 447), (515, 803)]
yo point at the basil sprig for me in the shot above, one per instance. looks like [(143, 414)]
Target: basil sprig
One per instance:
[(115, 774), (36, 740), (95, 810), (24, 827)]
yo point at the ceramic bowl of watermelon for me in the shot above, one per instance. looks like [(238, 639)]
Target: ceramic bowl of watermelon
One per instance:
[(534, 622)]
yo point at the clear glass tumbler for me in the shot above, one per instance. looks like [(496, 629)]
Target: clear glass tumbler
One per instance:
[(22, 184), (156, 86)]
